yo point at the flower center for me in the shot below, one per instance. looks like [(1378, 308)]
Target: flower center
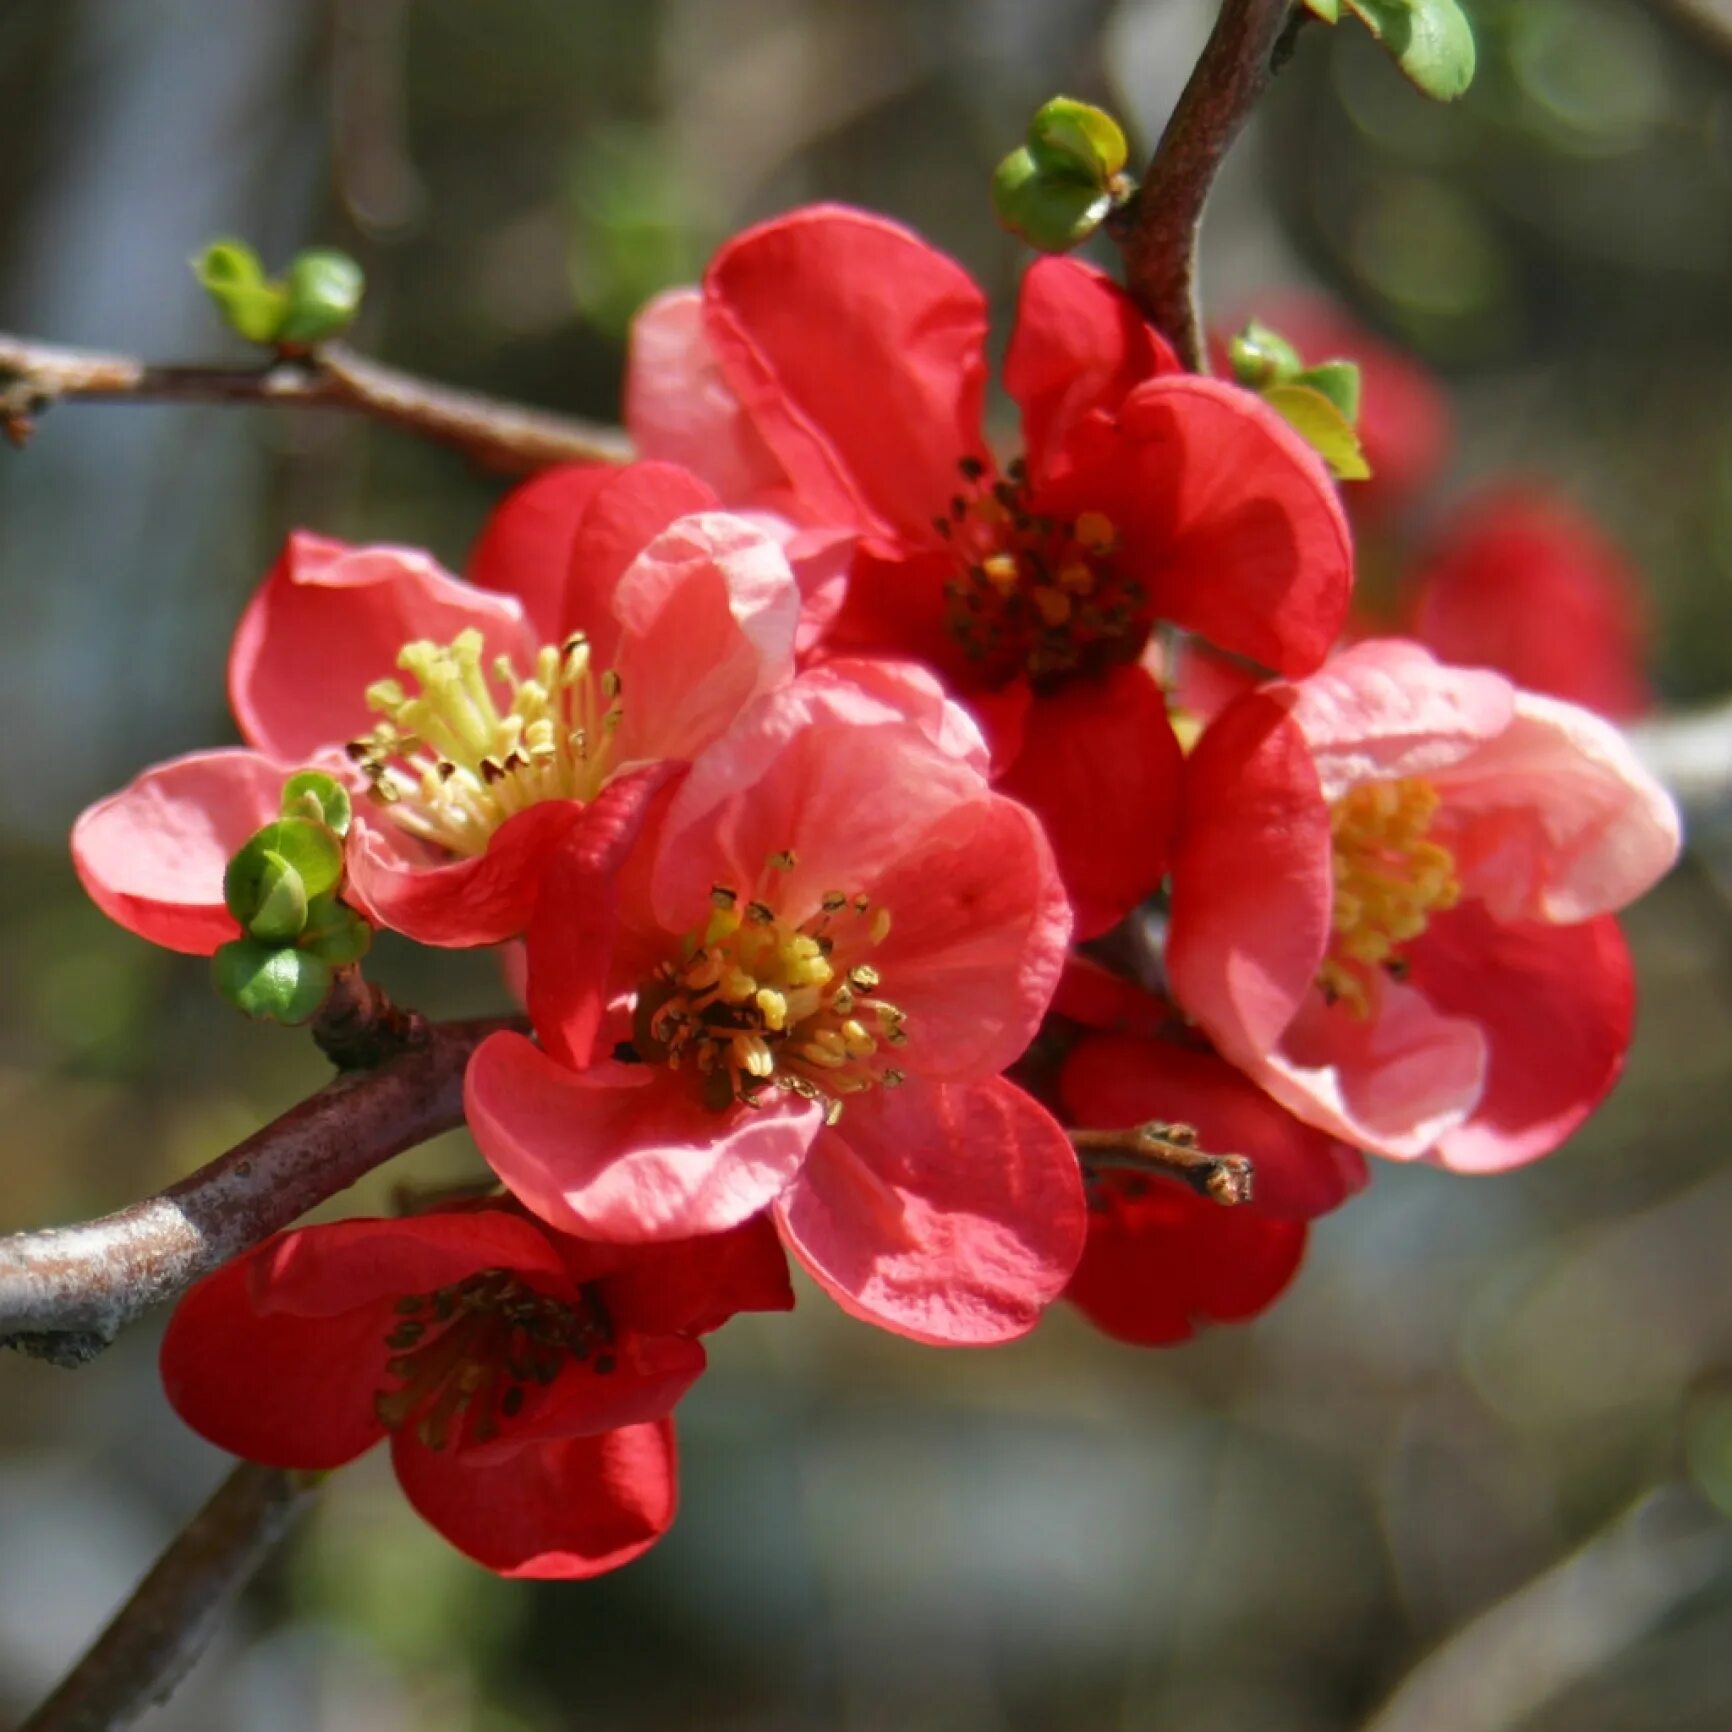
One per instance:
[(467, 1354), (1036, 595), (456, 757), (754, 1002), (1390, 878)]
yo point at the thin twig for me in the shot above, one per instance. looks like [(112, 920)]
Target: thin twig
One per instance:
[(1170, 1151), (1157, 230), (499, 435), (67, 1292), (153, 1640)]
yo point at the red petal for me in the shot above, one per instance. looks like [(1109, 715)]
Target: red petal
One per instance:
[(1111, 1081), (1556, 1005), (526, 544), (856, 349), (1160, 1261), (560, 1511), (1097, 998), (949, 1213), (627, 1152), (1100, 765), (695, 1285), (287, 1391), (1253, 881), (1079, 345), (152, 856), (329, 621)]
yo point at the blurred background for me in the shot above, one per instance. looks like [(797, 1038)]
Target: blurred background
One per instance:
[(1472, 1475)]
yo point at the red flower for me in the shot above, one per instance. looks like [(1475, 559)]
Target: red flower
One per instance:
[(524, 1379), (1161, 1260), (833, 368), (624, 625), (792, 980), (1523, 582), (1392, 903)]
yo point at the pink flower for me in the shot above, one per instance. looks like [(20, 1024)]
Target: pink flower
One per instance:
[(623, 624), (1392, 898), (791, 980), (1522, 581), (1161, 1260), (832, 368)]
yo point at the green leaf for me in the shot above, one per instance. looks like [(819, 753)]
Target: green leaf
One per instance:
[(1260, 356), (1052, 211), (313, 794), (312, 851), (335, 933), (252, 305), (269, 982), (1328, 10), (279, 900), (1431, 40), (1067, 134), (1322, 426), (1338, 381), (324, 295)]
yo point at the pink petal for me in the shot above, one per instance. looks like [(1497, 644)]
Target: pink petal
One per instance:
[(680, 409), (1556, 818), (330, 620), (1387, 708), (627, 1152), (525, 548), (1555, 1004), (857, 351), (553, 1511), (1100, 764), (707, 614), (152, 856), (918, 694), (948, 1213), (1079, 344), (1253, 881)]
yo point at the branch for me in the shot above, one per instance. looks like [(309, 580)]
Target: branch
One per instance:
[(67, 1292), (1171, 1152), (1157, 232), (500, 435), (153, 1639)]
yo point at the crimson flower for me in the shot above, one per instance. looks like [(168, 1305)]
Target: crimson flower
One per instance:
[(623, 624), (524, 1379), (1392, 901), (1522, 581), (832, 367), (1160, 1260), (791, 978)]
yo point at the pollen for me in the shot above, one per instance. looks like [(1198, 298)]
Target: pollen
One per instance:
[(761, 998), (468, 747), (466, 1357), (1390, 878), (1037, 595)]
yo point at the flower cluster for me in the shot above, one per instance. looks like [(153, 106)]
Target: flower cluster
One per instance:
[(787, 764)]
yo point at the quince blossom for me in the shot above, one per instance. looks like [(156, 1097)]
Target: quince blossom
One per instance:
[(832, 368), (523, 1378), (1392, 901)]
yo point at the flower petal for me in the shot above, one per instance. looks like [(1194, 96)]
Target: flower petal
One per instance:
[(1556, 1005), (948, 1213), (329, 620), (692, 1286), (627, 1152), (1101, 766), (525, 547), (558, 1511), (857, 351), (152, 856)]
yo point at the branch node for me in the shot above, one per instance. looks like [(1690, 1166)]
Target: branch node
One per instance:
[(1172, 1152)]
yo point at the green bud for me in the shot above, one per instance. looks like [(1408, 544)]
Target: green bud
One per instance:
[(249, 302), (1328, 10), (334, 932), (324, 295), (1322, 426), (1338, 381), (270, 983), (313, 794), (279, 899), (1052, 212), (1067, 135), (1431, 41), (1261, 357), (309, 849)]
